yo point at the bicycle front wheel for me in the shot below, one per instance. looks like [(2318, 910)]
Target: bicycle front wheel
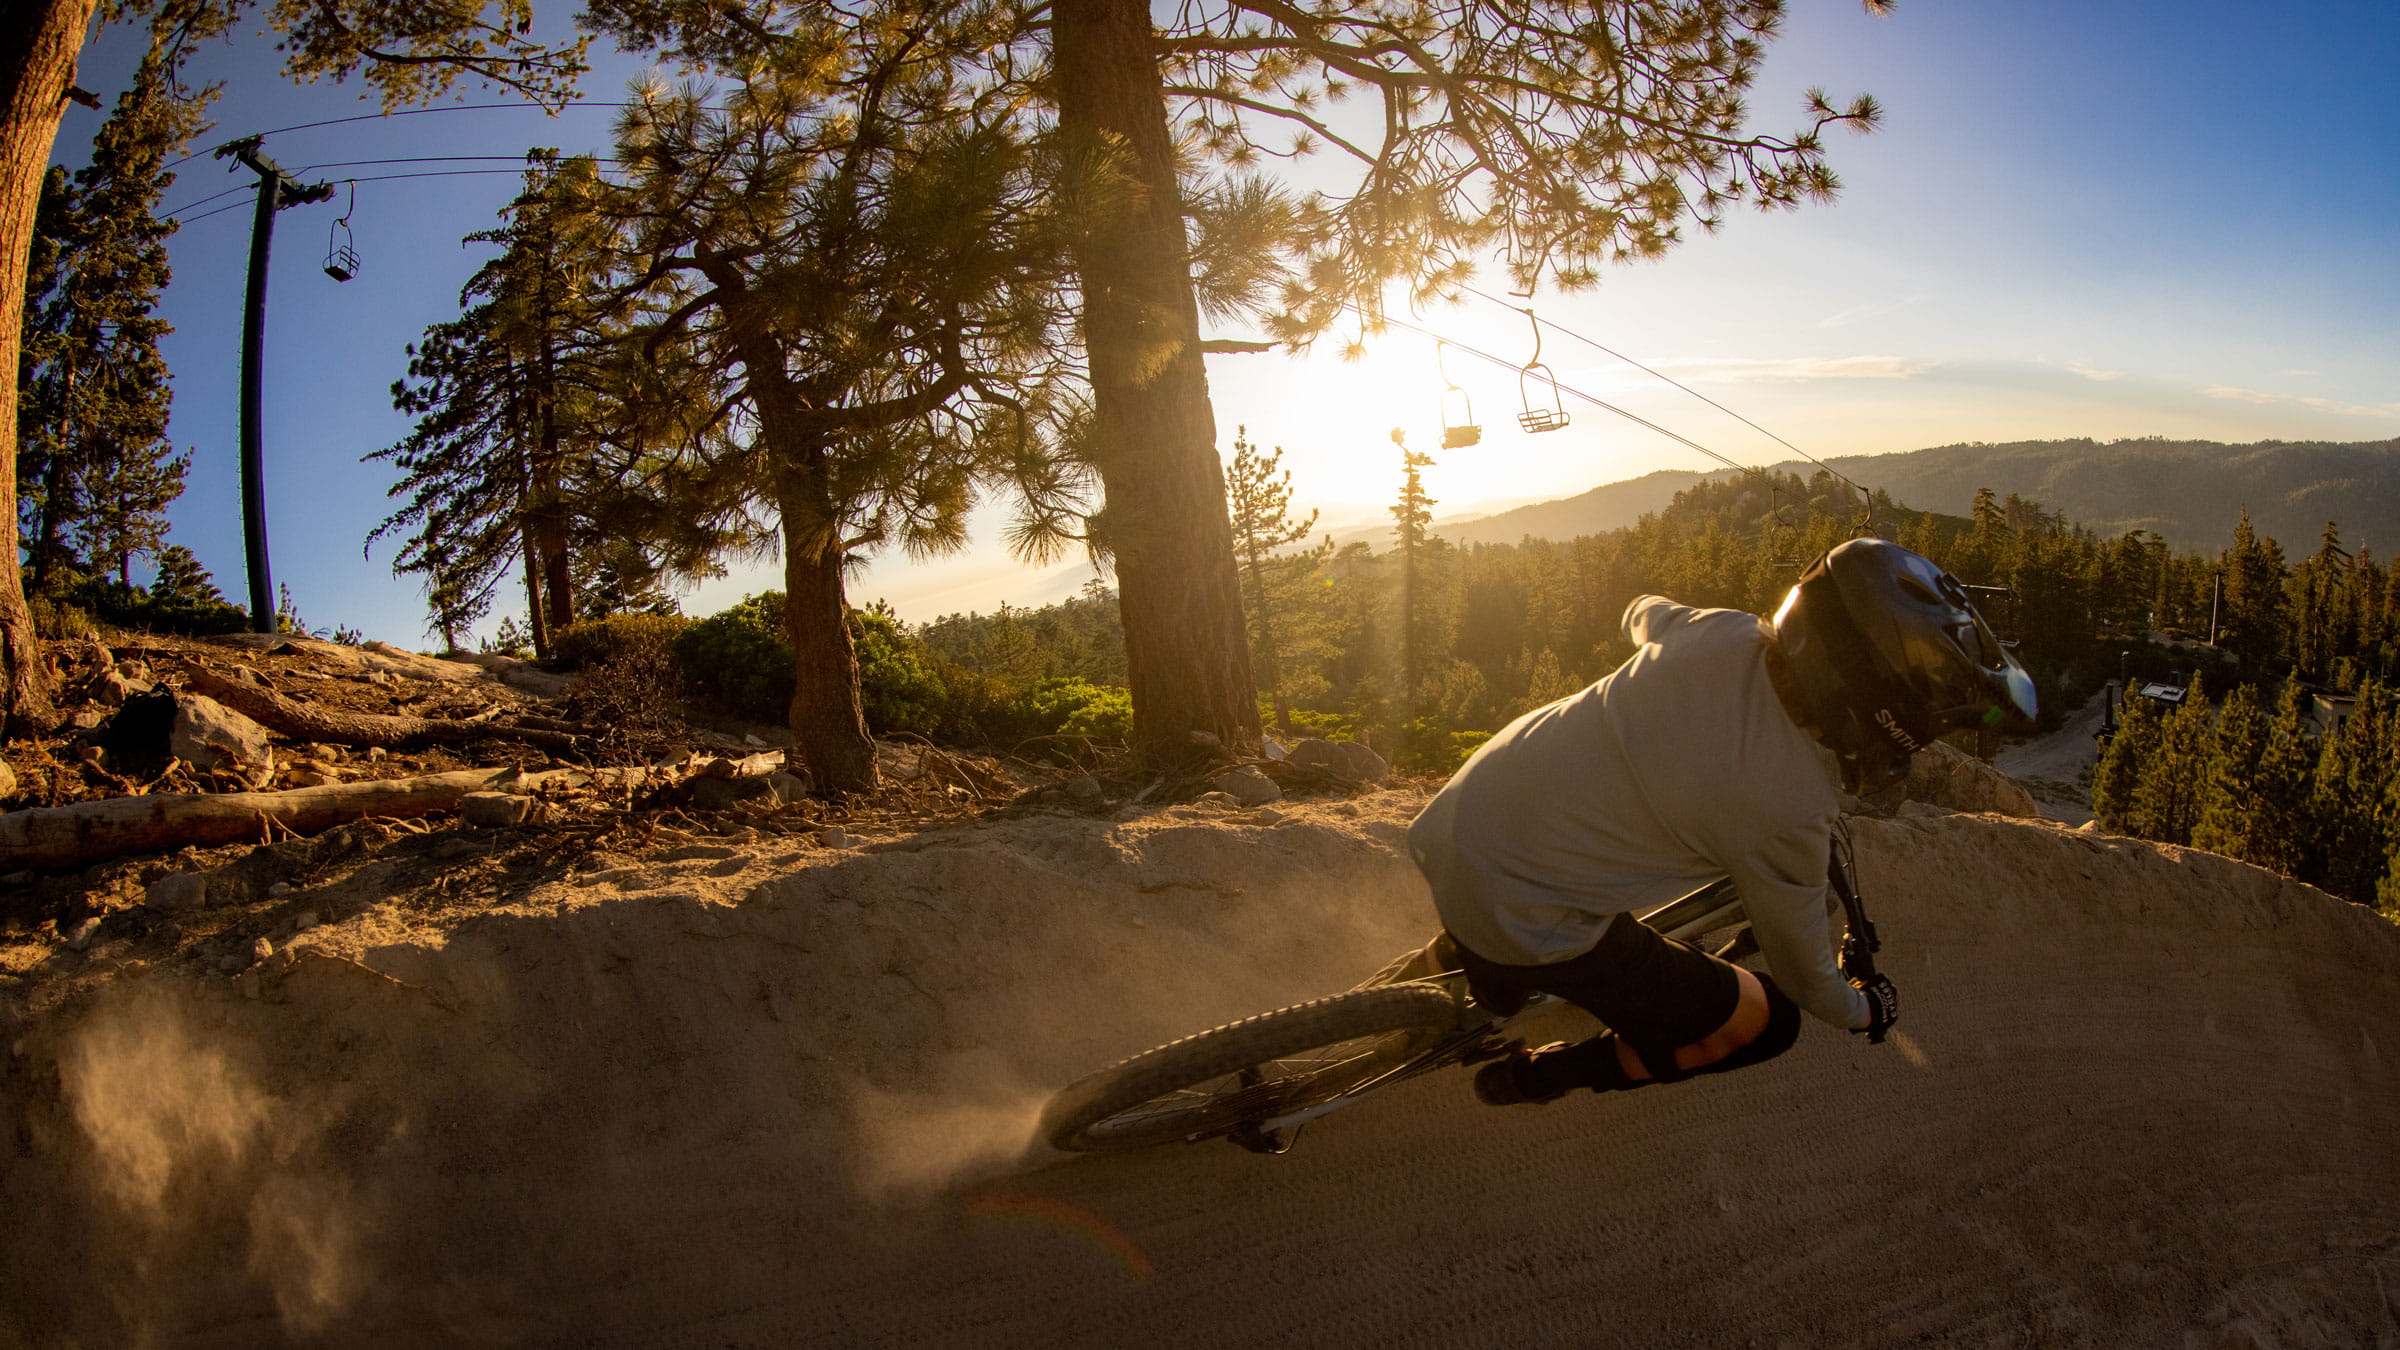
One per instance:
[(1249, 1071)]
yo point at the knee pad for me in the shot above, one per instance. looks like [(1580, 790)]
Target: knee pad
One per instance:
[(1783, 1028)]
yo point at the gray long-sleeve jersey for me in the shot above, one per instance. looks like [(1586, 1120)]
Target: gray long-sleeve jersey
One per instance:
[(1678, 768)]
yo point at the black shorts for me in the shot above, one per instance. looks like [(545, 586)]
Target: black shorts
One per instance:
[(1657, 993)]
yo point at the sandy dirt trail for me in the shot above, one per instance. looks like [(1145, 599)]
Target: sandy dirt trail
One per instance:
[(2057, 768), (741, 1097)]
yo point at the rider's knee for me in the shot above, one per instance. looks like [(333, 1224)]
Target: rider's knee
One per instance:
[(1777, 1036)]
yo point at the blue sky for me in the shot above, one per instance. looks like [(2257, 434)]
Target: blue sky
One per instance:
[(2099, 219)]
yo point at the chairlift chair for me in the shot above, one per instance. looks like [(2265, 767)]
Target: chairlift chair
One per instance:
[(341, 252), (1460, 431), (1552, 413)]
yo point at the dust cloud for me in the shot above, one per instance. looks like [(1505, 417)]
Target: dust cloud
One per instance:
[(978, 1123), (184, 1138)]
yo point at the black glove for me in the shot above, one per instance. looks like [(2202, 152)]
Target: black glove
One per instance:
[(1883, 1007)]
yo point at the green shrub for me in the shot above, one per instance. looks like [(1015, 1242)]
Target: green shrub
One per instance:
[(181, 603), (897, 686), (56, 619), (739, 661), (598, 641), (1073, 706)]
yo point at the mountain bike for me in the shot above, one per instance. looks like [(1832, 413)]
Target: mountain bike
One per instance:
[(1257, 1081)]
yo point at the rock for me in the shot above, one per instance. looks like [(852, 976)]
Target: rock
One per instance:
[(487, 810), (1086, 789), (1954, 780), (788, 788), (305, 920), (139, 733), (92, 755), (314, 773), (1265, 815), (80, 935), (112, 688), (208, 735), (8, 779), (750, 738), (260, 950), (84, 719), (723, 794), (278, 890), (1344, 762), (833, 836), (135, 672), (1247, 786), (1222, 800), (177, 891)]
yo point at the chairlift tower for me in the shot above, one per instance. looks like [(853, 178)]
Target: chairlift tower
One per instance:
[(276, 191)]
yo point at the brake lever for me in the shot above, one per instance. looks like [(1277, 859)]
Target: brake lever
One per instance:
[(1859, 941)]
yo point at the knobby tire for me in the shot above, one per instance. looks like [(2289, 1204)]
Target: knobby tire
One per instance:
[(1253, 1070)]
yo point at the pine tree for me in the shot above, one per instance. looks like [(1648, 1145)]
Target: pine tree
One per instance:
[(95, 471), (2254, 597), (2228, 816), (2168, 787), (2116, 778), (1412, 518), (1275, 577), (510, 412), (2284, 834), (849, 325), (2348, 796)]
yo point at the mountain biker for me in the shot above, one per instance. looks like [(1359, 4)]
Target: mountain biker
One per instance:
[(1711, 753)]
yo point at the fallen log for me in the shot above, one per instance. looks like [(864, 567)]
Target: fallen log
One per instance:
[(88, 832), (303, 722)]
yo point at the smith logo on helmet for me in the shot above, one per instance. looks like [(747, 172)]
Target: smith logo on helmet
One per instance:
[(1892, 728)]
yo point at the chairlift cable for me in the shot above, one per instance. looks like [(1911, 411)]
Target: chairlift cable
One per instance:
[(420, 112), (1647, 370), (363, 178), (1599, 403)]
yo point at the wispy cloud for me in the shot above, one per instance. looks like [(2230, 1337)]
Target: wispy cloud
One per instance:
[(2092, 372), (2237, 394)]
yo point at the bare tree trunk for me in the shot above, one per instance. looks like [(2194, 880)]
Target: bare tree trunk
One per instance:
[(553, 512), (1187, 656), (39, 42), (826, 720), (534, 615)]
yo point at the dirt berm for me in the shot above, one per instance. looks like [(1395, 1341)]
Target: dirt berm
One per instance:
[(746, 1097)]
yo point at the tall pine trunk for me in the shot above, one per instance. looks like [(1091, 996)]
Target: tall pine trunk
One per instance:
[(39, 42), (1187, 656), (826, 719)]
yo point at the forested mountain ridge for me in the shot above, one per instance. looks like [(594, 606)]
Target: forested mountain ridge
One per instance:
[(1611, 506), (2185, 491)]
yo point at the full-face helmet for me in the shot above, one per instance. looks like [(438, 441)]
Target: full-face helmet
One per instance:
[(1888, 652)]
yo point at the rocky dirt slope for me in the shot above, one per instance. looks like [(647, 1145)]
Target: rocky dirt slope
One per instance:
[(762, 1093)]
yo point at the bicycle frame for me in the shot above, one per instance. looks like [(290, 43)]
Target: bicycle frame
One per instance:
[(1712, 908)]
